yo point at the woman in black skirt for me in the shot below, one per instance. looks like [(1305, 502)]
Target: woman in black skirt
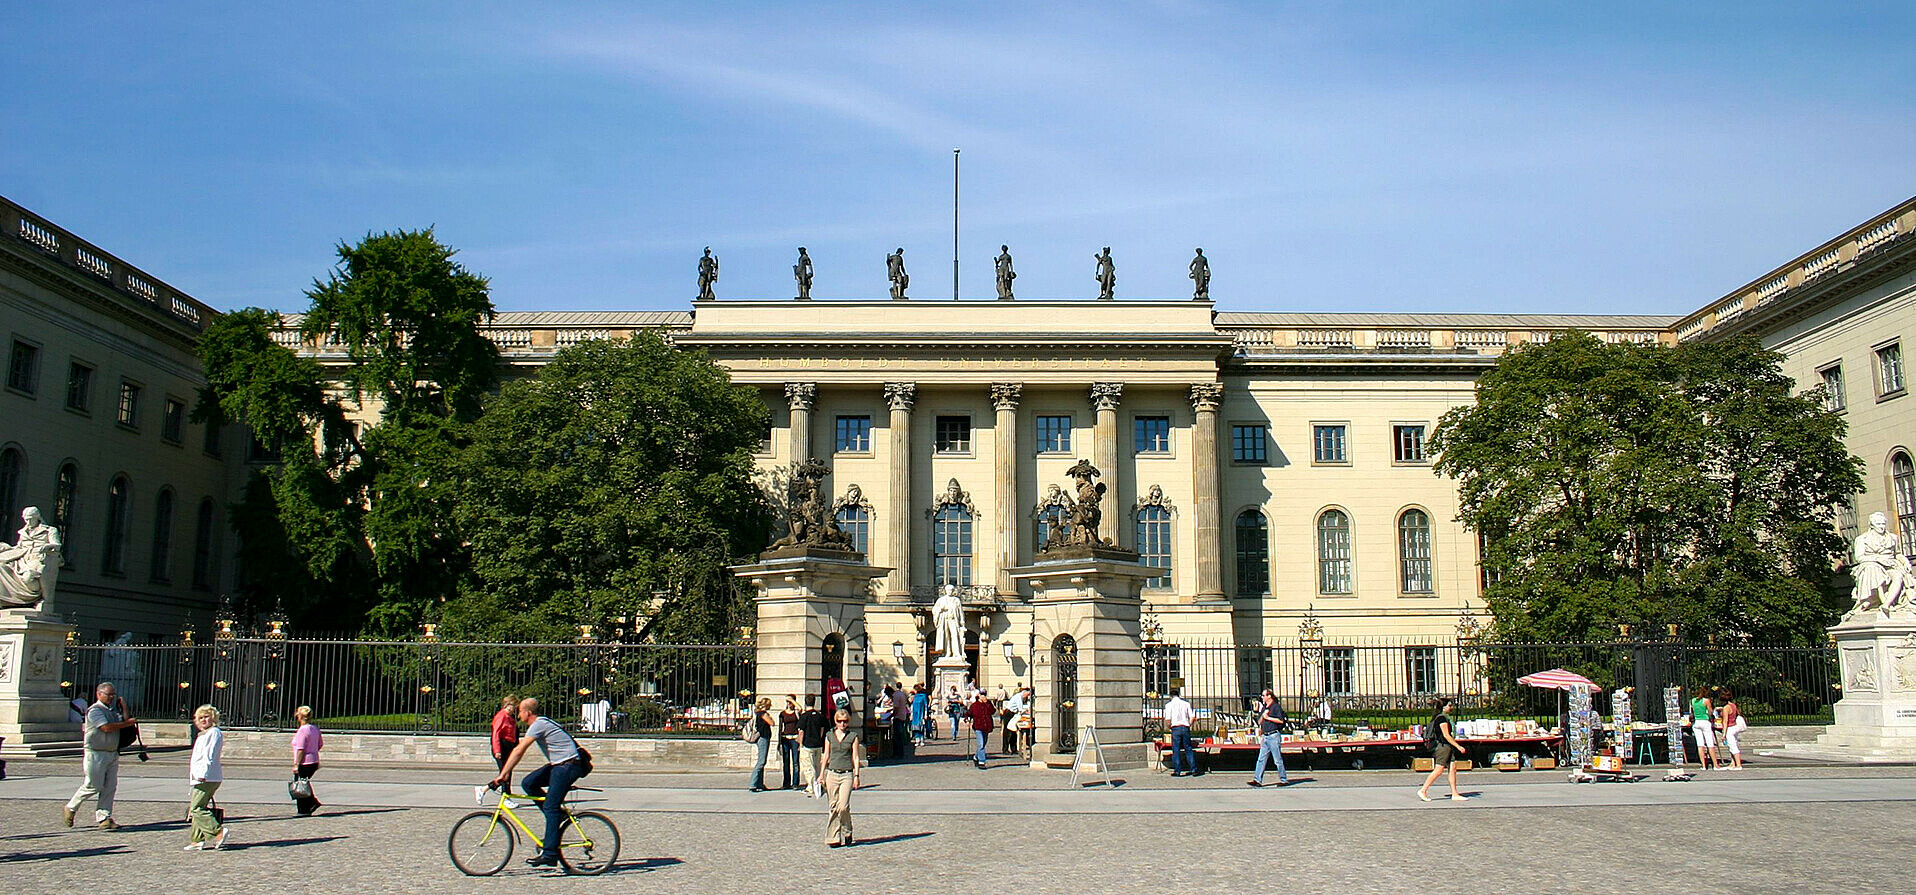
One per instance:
[(1446, 751)]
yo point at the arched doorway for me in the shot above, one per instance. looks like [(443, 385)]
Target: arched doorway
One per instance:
[(831, 668), (1064, 669)]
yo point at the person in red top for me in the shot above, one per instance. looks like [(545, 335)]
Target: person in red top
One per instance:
[(981, 712), (505, 733)]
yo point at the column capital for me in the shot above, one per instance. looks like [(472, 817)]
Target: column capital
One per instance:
[(1207, 396), (901, 395), (800, 395), (1005, 395), (1105, 395)]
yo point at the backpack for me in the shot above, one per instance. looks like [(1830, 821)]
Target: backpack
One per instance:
[(585, 760), (750, 732)]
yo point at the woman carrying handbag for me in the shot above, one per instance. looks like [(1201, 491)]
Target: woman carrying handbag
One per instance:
[(306, 743)]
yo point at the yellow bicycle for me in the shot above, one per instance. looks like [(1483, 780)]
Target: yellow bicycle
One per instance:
[(481, 843)]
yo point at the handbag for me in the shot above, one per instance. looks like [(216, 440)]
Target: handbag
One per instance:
[(300, 788)]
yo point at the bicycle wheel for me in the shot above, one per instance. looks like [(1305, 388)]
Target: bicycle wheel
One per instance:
[(479, 844), (589, 844)]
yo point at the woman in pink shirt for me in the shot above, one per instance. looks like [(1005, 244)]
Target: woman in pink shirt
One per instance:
[(306, 743)]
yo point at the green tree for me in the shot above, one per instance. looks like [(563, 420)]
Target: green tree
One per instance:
[(1643, 484), (615, 482), (351, 528)]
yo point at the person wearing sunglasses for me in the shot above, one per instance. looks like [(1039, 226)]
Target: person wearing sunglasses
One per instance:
[(844, 755)]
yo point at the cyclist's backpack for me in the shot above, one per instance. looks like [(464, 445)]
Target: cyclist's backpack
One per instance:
[(585, 760)]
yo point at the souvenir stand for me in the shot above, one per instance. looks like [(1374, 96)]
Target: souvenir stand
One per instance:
[(1673, 728)]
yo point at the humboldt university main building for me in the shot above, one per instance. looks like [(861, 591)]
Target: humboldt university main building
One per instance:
[(1268, 467)]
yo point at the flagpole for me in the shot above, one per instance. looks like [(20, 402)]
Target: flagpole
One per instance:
[(954, 225)]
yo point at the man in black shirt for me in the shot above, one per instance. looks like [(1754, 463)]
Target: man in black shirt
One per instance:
[(811, 743), (1270, 748)]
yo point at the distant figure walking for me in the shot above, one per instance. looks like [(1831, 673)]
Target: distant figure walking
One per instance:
[(844, 755), (1270, 741), (306, 743), (811, 744), (981, 724), (101, 736), (205, 774), (1446, 751)]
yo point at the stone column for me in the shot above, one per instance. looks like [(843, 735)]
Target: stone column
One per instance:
[(900, 395), (1104, 450), (1004, 460), (801, 395), (1205, 397)]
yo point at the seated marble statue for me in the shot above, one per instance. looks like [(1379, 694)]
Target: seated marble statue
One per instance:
[(1881, 570), (28, 566)]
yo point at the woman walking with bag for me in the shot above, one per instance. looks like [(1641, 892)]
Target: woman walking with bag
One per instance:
[(1446, 752), (306, 742), (761, 729), (205, 775), (844, 755)]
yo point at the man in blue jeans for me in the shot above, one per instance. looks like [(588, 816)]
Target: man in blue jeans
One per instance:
[(553, 781), (1178, 715), (1270, 740)]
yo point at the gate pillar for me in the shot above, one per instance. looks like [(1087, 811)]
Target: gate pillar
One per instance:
[(1086, 604), (33, 710), (811, 612)]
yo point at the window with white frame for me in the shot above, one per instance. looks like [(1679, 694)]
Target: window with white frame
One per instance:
[(1327, 443), (1889, 369), (1420, 670), (952, 435), (1902, 476), (854, 435), (1151, 435), (856, 523), (1054, 433), (1833, 397), (1340, 671), (1333, 552), (1154, 543), (1413, 552), (951, 545), (1407, 443)]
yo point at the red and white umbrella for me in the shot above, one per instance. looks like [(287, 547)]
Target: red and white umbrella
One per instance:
[(1556, 679)]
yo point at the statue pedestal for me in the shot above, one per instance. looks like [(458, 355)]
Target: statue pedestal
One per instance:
[(1876, 716), (1089, 665), (947, 673), (33, 709), (811, 622)]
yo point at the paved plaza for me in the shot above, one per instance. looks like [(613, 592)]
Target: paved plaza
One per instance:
[(943, 826)]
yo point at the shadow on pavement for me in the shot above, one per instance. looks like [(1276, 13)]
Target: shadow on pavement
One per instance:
[(57, 855), (281, 843), (645, 864), (897, 837)]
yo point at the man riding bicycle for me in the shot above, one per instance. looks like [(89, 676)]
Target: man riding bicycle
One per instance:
[(553, 781)]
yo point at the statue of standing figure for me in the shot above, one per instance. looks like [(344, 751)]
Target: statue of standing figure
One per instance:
[(1005, 273), (1200, 277), (1085, 512), (895, 271), (708, 274), (948, 621), (1107, 274), (802, 272), (1881, 570), (28, 567)]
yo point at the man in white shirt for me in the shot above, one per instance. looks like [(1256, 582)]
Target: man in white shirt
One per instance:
[(1178, 715)]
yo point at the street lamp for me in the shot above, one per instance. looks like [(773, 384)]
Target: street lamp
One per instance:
[(898, 650), (1011, 650)]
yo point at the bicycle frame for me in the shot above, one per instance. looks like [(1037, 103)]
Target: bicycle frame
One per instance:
[(503, 807)]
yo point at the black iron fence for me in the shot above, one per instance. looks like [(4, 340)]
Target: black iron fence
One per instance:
[(1393, 683), (425, 686)]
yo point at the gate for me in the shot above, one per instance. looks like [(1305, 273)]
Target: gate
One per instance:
[(1064, 665)]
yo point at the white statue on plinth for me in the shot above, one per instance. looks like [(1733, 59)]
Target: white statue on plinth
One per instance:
[(28, 567), (948, 619), (1881, 570)]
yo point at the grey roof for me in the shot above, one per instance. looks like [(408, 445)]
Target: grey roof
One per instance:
[(1447, 321)]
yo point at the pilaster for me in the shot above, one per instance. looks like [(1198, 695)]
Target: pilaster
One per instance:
[(1104, 448), (900, 396), (1205, 398)]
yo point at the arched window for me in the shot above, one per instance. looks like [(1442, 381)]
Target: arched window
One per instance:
[(856, 523), (1253, 554), (119, 515), (66, 492), (1333, 553), (1413, 552), (951, 545), (1903, 478), (1154, 543), (159, 569), (13, 468), (203, 547)]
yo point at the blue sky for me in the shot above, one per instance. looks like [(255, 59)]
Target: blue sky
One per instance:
[(1497, 157)]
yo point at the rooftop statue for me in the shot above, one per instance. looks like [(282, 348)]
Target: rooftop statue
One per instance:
[(1107, 274), (708, 274), (1005, 273), (1200, 277), (27, 568), (895, 271), (802, 272)]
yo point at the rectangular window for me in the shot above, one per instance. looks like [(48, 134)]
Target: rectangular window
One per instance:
[(211, 438), (79, 387), (854, 435), (1163, 668), (1152, 435), (1420, 669), (129, 413), (1250, 443), (23, 367), (765, 437), (952, 435), (1833, 398), (1408, 442), (173, 424), (1054, 434), (1889, 369), (1340, 670), (1327, 444), (258, 451)]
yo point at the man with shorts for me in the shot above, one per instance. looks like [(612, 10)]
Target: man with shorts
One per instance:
[(553, 780)]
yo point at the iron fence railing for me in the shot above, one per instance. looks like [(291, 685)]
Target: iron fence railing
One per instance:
[(425, 686), (1395, 683)]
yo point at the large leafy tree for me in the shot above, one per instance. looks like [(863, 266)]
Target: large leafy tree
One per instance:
[(1643, 484), (617, 482), (349, 529)]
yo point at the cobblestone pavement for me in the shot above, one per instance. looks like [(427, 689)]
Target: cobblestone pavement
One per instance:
[(1820, 830)]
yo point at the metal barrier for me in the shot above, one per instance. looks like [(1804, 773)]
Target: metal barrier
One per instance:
[(1393, 684), (424, 686)]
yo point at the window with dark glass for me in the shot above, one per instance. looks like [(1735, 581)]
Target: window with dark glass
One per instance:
[(854, 435), (951, 545), (129, 410), (23, 367), (1408, 443), (1253, 554), (79, 387), (1420, 669), (1151, 435), (1327, 444), (203, 546), (119, 517), (1833, 397), (951, 435), (210, 438), (1163, 667), (160, 566), (1054, 434), (856, 523), (1333, 553), (1340, 671), (173, 421), (1154, 543), (12, 469), (66, 490), (1051, 518), (1902, 477), (258, 451), (1250, 443)]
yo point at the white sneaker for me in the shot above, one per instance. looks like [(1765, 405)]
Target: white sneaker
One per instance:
[(479, 794), (195, 846), (219, 841)]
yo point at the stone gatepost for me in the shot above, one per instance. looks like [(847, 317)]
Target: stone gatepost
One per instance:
[(811, 611), (1876, 717), (1088, 661), (33, 710)]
